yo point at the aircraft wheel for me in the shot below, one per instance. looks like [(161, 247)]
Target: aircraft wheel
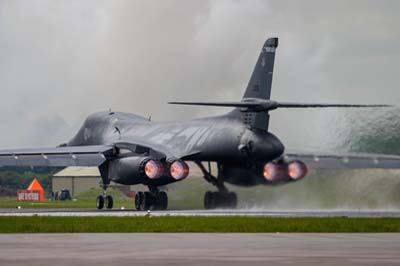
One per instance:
[(100, 202), (232, 199), (151, 201), (214, 200), (109, 202), (139, 200), (162, 200), (218, 199), (144, 201), (147, 201), (209, 200), (227, 200)]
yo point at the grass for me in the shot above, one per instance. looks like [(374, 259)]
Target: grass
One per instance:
[(355, 190), (170, 224), (83, 200), (182, 195), (189, 195)]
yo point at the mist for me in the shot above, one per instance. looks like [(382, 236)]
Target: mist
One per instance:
[(62, 60)]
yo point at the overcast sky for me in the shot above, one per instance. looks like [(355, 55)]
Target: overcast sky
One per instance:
[(62, 60)]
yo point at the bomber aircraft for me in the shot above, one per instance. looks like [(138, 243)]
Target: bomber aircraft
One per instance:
[(130, 149)]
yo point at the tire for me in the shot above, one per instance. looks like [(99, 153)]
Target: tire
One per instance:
[(214, 200), (109, 202), (209, 200), (148, 201), (219, 200), (139, 200), (162, 200), (100, 202), (233, 200)]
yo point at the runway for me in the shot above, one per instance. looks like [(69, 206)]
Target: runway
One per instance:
[(199, 249), (203, 213)]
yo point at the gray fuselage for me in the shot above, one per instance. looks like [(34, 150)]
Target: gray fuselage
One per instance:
[(221, 138)]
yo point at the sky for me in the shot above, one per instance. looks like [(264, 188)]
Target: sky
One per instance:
[(62, 60)]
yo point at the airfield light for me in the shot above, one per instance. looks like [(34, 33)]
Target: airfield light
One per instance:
[(153, 169), (297, 170), (179, 170)]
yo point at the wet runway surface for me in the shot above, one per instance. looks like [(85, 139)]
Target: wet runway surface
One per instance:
[(247, 212), (199, 249)]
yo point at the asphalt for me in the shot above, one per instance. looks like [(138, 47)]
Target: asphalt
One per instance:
[(243, 212), (199, 249)]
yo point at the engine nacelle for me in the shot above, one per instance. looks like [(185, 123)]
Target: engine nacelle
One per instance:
[(136, 170), (271, 173), (145, 170)]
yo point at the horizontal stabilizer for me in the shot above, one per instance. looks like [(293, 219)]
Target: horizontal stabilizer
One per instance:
[(218, 104), (258, 105), (327, 105), (344, 161)]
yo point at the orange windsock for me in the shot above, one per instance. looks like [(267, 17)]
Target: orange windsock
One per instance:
[(35, 185)]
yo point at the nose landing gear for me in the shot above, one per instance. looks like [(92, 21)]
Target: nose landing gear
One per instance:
[(217, 199), (104, 200)]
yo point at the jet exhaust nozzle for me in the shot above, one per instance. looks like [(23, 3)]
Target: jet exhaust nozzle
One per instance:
[(153, 169), (179, 170), (297, 170), (275, 171), (292, 171)]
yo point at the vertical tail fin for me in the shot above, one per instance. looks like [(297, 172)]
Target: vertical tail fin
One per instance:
[(260, 84)]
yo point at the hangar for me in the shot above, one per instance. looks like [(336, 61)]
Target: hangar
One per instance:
[(76, 179)]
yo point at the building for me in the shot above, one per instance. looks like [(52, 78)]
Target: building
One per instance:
[(76, 179)]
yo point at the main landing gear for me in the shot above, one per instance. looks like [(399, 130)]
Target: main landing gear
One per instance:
[(217, 199), (151, 200)]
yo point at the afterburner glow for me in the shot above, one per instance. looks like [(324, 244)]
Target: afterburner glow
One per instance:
[(153, 169), (179, 170), (273, 171), (297, 170)]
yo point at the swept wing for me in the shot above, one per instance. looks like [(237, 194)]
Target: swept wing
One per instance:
[(91, 155)]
